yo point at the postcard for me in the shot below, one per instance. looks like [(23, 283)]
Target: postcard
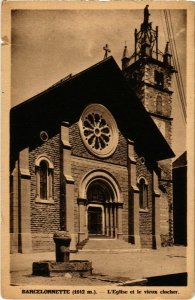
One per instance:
[(97, 150)]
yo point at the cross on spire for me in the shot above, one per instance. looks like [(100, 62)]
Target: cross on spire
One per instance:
[(107, 50)]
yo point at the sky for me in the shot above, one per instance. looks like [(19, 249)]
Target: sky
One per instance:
[(47, 45)]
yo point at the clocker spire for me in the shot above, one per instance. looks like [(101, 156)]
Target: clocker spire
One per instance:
[(125, 57), (146, 40)]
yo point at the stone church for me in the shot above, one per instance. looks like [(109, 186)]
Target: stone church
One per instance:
[(92, 154)]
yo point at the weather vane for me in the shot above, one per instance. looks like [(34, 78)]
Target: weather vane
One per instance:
[(107, 50)]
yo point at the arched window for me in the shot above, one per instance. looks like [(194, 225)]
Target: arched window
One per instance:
[(44, 180), (143, 194), (159, 78), (159, 104)]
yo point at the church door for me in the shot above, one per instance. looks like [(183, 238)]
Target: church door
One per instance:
[(102, 212), (94, 220)]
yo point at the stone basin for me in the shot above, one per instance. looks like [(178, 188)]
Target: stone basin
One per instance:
[(51, 268)]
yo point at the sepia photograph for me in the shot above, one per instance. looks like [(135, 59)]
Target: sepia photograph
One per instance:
[(97, 150)]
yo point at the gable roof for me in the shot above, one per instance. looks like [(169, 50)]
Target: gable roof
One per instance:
[(181, 161), (102, 83)]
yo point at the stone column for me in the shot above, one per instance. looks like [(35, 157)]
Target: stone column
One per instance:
[(111, 221), (37, 183), (69, 185), (105, 224), (107, 219), (50, 185), (25, 241), (14, 211), (156, 213), (103, 221), (120, 228), (82, 222), (115, 220), (113, 214), (134, 197)]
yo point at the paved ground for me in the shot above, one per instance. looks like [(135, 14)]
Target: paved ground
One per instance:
[(133, 265)]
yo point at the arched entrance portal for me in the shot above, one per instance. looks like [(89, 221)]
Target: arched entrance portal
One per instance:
[(102, 215), (100, 206)]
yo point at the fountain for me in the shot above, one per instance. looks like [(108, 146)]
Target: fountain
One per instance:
[(63, 266)]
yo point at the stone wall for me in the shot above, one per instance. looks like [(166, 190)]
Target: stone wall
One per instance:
[(150, 75), (150, 101), (166, 213), (166, 202), (80, 167), (164, 216), (84, 162), (45, 217), (147, 90), (119, 157), (42, 242), (145, 217)]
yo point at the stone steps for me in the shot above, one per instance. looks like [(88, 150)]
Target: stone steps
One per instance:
[(107, 245)]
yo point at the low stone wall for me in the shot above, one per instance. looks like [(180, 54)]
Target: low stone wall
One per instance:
[(42, 242), (146, 241)]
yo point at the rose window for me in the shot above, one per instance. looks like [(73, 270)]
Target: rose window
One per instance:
[(98, 130)]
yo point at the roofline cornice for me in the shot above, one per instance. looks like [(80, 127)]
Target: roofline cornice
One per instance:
[(147, 59)]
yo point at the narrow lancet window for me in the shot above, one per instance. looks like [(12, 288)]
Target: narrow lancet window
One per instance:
[(143, 194), (43, 179)]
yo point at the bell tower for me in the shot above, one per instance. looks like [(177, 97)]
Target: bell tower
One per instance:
[(149, 72)]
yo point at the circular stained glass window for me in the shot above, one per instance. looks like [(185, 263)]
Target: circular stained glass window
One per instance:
[(98, 130)]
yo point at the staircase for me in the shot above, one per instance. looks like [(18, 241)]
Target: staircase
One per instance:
[(106, 246)]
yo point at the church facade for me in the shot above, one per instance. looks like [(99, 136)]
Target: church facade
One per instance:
[(92, 154)]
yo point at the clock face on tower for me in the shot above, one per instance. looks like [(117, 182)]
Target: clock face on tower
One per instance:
[(98, 130)]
